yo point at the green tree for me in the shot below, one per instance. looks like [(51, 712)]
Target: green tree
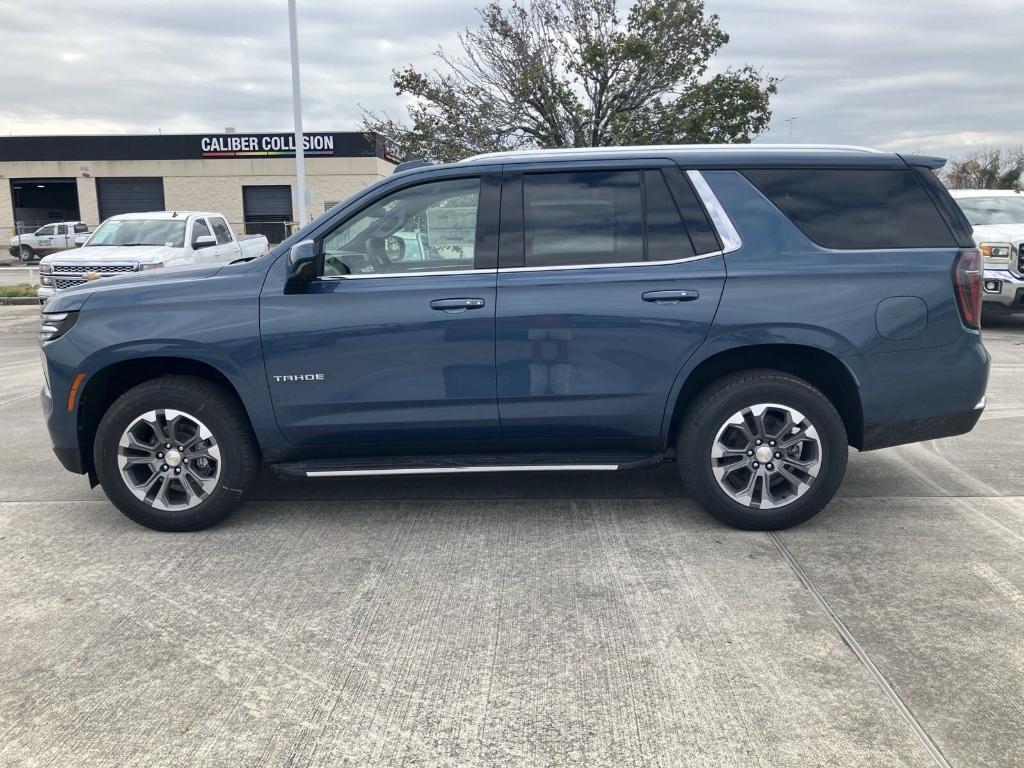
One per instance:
[(987, 169), (574, 73)]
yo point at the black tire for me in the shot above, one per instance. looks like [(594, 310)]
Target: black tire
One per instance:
[(219, 411), (713, 408), (26, 254)]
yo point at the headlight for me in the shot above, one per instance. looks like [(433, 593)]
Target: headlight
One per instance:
[(995, 250), (154, 265), (45, 269), (56, 324)]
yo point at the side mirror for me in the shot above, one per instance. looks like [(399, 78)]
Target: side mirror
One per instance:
[(301, 266), (203, 241)]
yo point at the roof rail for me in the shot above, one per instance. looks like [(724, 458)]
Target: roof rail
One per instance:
[(673, 148), (408, 165)]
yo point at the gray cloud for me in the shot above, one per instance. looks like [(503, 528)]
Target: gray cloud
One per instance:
[(934, 76)]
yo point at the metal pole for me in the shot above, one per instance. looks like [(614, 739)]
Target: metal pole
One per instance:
[(300, 155), (790, 121)]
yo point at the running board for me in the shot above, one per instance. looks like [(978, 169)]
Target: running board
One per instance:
[(469, 463)]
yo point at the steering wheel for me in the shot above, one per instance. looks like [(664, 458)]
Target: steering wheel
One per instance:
[(337, 265), (377, 254), (394, 248)]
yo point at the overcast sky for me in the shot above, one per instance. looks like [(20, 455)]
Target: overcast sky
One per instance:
[(938, 76)]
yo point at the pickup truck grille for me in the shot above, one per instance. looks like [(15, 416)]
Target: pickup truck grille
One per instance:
[(70, 275), (81, 269), (66, 282)]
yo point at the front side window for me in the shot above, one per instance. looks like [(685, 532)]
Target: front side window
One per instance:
[(127, 232), (993, 210), (427, 228), (220, 229), (199, 229), (855, 208), (46, 231)]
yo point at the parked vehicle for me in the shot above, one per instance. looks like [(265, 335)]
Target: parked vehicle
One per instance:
[(50, 238), (137, 242), (746, 312), (998, 219)]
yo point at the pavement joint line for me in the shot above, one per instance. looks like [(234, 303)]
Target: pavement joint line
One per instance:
[(847, 636), (17, 399)]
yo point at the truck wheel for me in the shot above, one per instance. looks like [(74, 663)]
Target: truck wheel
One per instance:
[(762, 450), (26, 254), (176, 453)]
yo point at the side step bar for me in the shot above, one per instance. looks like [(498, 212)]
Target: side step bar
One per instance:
[(470, 463)]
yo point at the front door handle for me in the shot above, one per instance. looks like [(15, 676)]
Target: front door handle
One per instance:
[(456, 305), (670, 297)]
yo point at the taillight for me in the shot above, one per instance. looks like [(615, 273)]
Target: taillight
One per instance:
[(967, 286)]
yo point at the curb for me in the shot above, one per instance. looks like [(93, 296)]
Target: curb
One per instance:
[(19, 301)]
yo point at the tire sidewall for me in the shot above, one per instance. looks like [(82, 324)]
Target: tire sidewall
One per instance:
[(814, 406), (26, 254), (230, 485)]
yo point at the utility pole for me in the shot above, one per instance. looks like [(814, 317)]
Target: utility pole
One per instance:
[(790, 121), (300, 155)]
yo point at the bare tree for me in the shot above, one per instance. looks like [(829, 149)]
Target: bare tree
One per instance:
[(987, 169), (574, 73)]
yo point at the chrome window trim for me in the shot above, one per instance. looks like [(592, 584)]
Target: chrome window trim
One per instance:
[(719, 218), (410, 274), (551, 267)]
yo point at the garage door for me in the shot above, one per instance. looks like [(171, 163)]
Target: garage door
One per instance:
[(268, 210), (135, 195)]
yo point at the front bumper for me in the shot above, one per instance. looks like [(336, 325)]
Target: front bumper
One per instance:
[(1008, 295), (45, 293), (65, 447)]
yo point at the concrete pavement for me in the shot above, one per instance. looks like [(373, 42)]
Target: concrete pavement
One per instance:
[(594, 620)]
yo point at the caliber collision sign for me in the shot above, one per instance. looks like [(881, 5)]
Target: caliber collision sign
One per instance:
[(266, 145)]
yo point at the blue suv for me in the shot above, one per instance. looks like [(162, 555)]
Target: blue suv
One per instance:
[(747, 312)]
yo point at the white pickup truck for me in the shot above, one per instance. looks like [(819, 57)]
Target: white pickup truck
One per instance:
[(49, 238), (135, 242)]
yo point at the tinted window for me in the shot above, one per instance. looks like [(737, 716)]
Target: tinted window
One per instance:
[(81, 228), (62, 229), (666, 235), (856, 208), (591, 217), (702, 234), (220, 229), (427, 228), (199, 229)]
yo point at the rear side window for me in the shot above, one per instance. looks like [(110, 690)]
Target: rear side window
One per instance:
[(667, 239), (79, 228), (854, 208), (584, 217)]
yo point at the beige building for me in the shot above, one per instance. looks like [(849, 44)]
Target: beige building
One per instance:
[(248, 177)]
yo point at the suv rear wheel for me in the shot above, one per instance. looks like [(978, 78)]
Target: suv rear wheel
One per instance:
[(762, 450), (176, 453)]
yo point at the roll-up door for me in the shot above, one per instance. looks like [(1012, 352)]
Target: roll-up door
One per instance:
[(129, 195), (268, 211)]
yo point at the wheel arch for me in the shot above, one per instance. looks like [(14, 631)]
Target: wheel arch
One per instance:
[(820, 368), (107, 384)]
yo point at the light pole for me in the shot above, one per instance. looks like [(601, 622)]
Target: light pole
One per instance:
[(790, 121), (300, 155)]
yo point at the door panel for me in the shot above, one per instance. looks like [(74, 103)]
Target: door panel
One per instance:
[(395, 343), (394, 369), (581, 353), (602, 299)]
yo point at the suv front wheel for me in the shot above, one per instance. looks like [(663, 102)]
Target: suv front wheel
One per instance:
[(762, 450), (176, 453)]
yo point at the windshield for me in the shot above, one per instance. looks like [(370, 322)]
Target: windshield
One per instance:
[(993, 210), (168, 232)]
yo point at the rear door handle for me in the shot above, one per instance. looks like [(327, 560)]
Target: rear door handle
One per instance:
[(670, 297), (456, 305)]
